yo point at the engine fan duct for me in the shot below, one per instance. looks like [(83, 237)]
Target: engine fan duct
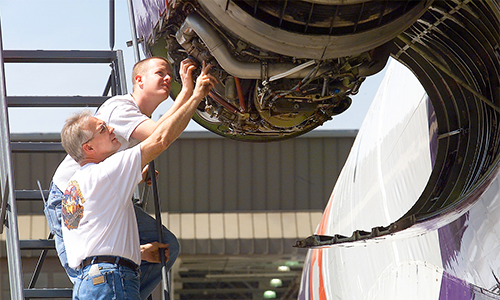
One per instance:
[(315, 29)]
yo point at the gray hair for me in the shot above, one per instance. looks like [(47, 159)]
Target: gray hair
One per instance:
[(75, 133)]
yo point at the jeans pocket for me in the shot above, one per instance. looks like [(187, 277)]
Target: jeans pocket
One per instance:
[(130, 281), (99, 286)]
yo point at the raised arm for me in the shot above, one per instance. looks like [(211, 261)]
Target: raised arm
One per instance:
[(186, 73), (146, 128), (169, 129)]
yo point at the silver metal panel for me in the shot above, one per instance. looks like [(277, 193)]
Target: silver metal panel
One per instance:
[(220, 175)]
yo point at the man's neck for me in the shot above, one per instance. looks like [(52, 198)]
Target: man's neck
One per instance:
[(145, 106), (93, 159), (88, 161)]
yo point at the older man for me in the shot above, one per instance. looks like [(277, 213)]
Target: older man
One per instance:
[(99, 225), (130, 116)]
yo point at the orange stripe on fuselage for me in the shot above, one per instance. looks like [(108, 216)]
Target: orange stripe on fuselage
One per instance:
[(313, 259), (318, 254), (322, 292), (325, 217)]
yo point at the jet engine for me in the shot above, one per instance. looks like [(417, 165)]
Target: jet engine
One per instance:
[(284, 67)]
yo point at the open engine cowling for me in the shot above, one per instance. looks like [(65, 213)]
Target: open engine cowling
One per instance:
[(284, 67)]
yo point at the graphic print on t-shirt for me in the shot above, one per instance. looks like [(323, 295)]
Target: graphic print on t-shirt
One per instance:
[(72, 209)]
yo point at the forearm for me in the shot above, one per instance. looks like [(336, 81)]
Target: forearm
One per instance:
[(180, 100), (186, 72), (171, 128), (168, 130), (146, 128)]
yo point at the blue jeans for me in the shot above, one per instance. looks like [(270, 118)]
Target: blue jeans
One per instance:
[(150, 272), (110, 281)]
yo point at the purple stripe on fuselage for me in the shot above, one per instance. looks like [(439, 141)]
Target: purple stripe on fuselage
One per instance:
[(450, 243), (306, 274), (453, 288)]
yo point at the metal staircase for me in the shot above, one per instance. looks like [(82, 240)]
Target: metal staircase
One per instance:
[(9, 196)]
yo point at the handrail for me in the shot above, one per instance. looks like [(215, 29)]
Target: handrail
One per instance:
[(154, 185), (8, 207), (4, 140), (7, 191)]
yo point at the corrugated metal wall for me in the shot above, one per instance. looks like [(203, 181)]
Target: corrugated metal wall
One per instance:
[(220, 196), (203, 173), (229, 201)]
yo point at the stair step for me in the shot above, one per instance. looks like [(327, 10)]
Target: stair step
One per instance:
[(55, 101), (115, 85), (42, 244), (36, 147), (59, 56), (48, 293), (30, 195)]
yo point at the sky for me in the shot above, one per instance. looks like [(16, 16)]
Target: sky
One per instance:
[(84, 25)]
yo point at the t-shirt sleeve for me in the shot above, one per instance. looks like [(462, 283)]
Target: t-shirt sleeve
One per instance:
[(123, 169), (123, 116)]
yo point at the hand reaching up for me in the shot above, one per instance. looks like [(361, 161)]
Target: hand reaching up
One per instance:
[(205, 82), (186, 73)]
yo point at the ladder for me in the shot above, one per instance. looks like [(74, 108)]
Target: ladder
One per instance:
[(8, 195)]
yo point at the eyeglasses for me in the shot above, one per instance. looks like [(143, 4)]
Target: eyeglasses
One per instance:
[(102, 129)]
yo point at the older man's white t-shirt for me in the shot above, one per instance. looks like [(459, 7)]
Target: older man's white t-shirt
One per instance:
[(98, 217), (120, 112)]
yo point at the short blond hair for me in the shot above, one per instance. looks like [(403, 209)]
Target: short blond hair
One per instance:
[(75, 133), (140, 67)]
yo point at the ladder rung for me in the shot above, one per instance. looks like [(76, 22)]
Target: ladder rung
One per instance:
[(59, 56), (37, 244), (36, 147), (48, 293), (30, 195), (55, 101)]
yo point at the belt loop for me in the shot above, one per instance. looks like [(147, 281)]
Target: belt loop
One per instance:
[(93, 258), (117, 259)]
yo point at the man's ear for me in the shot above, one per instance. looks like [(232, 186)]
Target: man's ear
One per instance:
[(138, 80), (87, 148)]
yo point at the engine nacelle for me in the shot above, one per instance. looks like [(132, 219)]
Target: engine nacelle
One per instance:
[(284, 68)]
